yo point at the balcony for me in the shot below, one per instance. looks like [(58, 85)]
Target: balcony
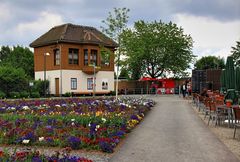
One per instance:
[(90, 70)]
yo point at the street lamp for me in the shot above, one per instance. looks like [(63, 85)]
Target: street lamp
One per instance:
[(94, 77), (44, 68)]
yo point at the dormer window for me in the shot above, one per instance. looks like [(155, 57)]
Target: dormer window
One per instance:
[(73, 56)]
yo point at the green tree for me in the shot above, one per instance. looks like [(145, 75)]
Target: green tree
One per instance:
[(4, 53), (115, 23), (18, 57), (157, 48), (12, 80), (236, 54), (124, 73), (210, 62)]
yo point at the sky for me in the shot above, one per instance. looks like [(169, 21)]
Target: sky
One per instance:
[(213, 24)]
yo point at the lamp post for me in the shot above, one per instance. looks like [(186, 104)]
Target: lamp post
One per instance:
[(94, 77), (44, 68)]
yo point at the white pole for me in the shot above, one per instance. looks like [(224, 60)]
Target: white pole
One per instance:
[(60, 70), (118, 59), (94, 80)]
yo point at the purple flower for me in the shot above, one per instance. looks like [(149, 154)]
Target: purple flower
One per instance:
[(74, 142), (106, 147), (134, 117)]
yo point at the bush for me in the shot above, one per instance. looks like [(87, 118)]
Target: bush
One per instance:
[(35, 95), (39, 86), (12, 79), (68, 94), (24, 94), (14, 95), (112, 93), (2, 95)]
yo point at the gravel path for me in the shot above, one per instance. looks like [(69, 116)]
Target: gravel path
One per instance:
[(172, 132)]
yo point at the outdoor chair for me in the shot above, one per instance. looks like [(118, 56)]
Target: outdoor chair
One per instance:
[(206, 109), (212, 111), (200, 102), (194, 99), (215, 113), (236, 113), (221, 113)]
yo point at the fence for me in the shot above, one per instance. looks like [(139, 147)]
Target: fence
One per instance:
[(127, 91)]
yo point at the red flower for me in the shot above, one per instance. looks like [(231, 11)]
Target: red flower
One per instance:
[(1, 153)]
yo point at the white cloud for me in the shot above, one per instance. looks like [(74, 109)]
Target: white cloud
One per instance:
[(211, 37), (5, 12), (45, 22)]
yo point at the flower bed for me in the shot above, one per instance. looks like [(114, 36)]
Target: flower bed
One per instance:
[(35, 156), (73, 122)]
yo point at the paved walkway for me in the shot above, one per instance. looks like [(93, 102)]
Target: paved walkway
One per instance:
[(172, 132)]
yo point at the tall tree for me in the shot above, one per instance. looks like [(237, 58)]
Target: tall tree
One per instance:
[(18, 57), (236, 54), (4, 53), (210, 62), (124, 73), (115, 23), (157, 48)]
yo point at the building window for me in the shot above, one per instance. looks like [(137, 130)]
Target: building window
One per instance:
[(73, 83), (56, 57), (90, 83), (73, 56), (85, 57), (93, 57), (104, 85)]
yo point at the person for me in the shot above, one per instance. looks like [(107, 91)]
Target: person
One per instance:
[(184, 89), (189, 90)]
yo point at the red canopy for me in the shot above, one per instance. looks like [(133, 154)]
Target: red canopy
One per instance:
[(147, 79)]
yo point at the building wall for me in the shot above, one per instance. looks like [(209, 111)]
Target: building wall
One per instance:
[(106, 76), (64, 48)]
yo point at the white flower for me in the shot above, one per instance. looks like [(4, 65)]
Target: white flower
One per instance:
[(73, 123), (25, 141), (26, 108), (89, 124), (57, 106), (72, 120), (104, 120), (12, 108), (41, 139), (98, 126)]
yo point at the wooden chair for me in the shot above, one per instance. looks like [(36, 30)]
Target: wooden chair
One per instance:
[(236, 113)]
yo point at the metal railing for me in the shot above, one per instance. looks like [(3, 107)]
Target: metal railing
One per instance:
[(129, 91)]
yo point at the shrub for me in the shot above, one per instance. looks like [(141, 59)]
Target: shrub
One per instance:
[(2, 94), (14, 95), (24, 94), (112, 93), (68, 94), (35, 95), (39, 86), (12, 79)]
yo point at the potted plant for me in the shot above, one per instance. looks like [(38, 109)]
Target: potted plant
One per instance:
[(229, 102)]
